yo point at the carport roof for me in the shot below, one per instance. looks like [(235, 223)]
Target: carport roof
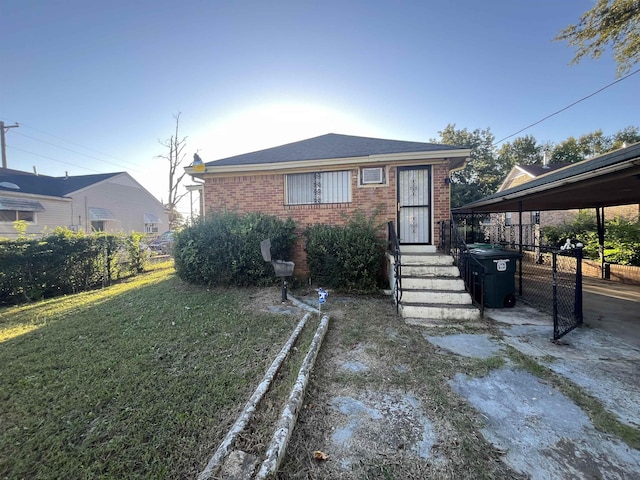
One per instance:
[(605, 181)]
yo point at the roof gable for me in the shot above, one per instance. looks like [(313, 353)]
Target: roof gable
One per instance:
[(524, 173), (329, 146)]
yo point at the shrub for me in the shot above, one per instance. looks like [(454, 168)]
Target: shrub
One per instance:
[(65, 262), (622, 238), (224, 249), (348, 258)]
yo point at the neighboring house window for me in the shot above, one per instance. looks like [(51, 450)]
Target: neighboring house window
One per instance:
[(13, 215), (535, 218), (507, 218), (98, 217), (13, 209), (319, 187), (97, 226), (151, 222)]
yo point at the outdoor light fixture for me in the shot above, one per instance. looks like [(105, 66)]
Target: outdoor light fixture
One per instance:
[(198, 164), (447, 181)]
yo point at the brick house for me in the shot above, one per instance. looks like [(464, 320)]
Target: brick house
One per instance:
[(319, 179)]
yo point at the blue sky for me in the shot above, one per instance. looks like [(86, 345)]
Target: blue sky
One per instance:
[(95, 84)]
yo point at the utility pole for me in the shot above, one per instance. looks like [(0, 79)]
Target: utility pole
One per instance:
[(3, 145)]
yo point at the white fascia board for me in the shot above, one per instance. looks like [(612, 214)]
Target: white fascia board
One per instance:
[(332, 163)]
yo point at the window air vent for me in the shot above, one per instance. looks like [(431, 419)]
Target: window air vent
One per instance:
[(372, 175)]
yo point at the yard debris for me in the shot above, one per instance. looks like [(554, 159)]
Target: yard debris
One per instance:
[(320, 455)]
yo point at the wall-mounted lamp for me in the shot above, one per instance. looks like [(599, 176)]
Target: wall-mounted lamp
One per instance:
[(198, 164), (447, 181)]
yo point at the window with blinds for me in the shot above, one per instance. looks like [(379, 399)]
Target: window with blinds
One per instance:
[(318, 187)]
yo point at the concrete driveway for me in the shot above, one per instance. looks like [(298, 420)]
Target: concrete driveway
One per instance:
[(543, 432), (613, 307)]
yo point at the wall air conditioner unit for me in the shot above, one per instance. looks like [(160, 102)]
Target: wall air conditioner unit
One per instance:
[(372, 175)]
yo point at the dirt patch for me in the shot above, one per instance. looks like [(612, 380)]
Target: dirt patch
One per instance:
[(380, 408), (388, 400)]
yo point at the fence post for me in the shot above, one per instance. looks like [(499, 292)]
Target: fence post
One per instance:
[(577, 308), (554, 285)]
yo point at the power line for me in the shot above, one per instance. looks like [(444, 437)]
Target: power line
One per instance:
[(125, 164), (78, 153), (73, 143), (53, 159), (567, 107)]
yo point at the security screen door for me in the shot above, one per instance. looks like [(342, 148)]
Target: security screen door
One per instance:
[(414, 205)]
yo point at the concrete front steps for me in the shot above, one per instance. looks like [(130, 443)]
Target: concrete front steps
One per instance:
[(432, 289)]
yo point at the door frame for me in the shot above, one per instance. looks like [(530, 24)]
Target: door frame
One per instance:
[(429, 206)]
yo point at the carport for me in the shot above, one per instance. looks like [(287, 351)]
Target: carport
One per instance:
[(609, 180), (606, 181)]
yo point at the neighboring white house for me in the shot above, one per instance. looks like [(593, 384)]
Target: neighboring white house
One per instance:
[(111, 202)]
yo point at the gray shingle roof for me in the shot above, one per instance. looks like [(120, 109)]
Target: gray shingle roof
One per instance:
[(330, 146), (50, 186)]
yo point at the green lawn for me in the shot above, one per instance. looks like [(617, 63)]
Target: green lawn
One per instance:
[(138, 380)]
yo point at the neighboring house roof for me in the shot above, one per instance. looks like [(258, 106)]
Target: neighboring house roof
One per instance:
[(334, 147), (608, 180), (524, 173), (45, 185)]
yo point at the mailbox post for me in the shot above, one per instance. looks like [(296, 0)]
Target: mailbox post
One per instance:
[(282, 268)]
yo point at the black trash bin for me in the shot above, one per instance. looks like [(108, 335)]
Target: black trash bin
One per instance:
[(499, 276)]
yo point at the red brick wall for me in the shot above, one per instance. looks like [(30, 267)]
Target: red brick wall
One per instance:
[(265, 193)]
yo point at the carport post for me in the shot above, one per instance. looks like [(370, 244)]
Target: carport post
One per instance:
[(577, 308), (554, 289), (600, 223)]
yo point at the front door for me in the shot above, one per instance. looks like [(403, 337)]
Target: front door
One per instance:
[(414, 205)]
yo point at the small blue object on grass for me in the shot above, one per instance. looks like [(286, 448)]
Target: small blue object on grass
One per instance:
[(322, 295)]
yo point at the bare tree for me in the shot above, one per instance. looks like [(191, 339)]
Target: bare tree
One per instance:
[(175, 156)]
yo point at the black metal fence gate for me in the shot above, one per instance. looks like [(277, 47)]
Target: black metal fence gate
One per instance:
[(547, 278)]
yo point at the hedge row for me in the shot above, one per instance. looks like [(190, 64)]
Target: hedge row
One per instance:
[(66, 262), (224, 249)]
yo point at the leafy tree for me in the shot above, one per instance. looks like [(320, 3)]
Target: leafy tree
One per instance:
[(568, 151), (522, 151), (628, 135), (609, 24), (482, 175), (574, 150), (174, 156)]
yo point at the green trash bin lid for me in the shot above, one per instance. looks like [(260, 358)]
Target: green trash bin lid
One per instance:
[(484, 246), (493, 253)]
